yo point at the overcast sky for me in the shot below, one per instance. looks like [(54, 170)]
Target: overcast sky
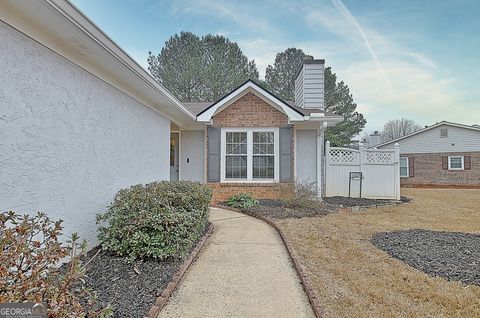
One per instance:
[(400, 58)]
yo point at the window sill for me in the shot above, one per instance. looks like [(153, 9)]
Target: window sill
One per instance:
[(249, 181)]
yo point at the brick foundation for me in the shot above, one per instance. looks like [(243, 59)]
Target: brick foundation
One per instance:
[(223, 191), (428, 171)]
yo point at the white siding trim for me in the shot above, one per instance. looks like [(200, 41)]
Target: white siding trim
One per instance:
[(252, 87)]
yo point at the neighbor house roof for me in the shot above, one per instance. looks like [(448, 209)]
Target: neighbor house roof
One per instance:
[(64, 29), (447, 123), (205, 111)]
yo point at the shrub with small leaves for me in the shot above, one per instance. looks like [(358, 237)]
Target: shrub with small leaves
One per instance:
[(241, 201), (29, 267), (159, 220), (299, 195)]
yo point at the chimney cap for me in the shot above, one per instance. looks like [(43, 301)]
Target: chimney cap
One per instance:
[(308, 59)]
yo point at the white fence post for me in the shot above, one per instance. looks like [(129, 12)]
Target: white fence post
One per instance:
[(397, 170), (363, 154), (327, 163), (327, 151)]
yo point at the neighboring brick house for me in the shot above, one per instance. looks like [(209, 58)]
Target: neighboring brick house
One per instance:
[(256, 143), (445, 154)]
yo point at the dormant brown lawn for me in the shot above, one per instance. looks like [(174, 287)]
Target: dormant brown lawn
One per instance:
[(355, 279)]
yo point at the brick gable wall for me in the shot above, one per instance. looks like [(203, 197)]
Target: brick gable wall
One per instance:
[(428, 171), (249, 111)]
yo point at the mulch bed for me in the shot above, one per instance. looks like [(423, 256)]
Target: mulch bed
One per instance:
[(277, 209), (129, 287), (348, 202), (453, 256)]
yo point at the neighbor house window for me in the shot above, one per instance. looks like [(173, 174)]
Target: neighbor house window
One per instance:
[(455, 163), (404, 167), (250, 154)]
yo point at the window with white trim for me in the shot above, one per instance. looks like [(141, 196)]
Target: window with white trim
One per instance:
[(236, 155), (250, 155), (263, 155), (455, 163), (404, 167)]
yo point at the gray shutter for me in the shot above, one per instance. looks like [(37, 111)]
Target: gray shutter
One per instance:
[(213, 163), (411, 167), (286, 154)]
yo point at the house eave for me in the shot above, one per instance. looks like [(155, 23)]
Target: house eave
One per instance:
[(64, 29), (249, 86), (320, 118)]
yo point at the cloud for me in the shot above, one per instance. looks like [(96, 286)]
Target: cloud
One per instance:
[(353, 22), (243, 14), (388, 80)]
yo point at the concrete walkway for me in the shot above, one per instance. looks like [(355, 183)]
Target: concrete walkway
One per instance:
[(243, 271)]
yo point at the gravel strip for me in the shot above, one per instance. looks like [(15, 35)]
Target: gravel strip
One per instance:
[(453, 256)]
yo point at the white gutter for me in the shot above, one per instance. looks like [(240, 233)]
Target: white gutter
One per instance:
[(75, 15)]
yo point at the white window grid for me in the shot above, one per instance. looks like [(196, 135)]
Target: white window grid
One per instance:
[(405, 165), (250, 155), (456, 160)]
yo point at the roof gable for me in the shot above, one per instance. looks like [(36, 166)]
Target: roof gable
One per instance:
[(250, 86), (442, 123)]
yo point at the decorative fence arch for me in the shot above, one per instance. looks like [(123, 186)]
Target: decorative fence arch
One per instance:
[(380, 172)]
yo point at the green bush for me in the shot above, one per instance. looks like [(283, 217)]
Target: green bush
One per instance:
[(241, 201), (159, 219)]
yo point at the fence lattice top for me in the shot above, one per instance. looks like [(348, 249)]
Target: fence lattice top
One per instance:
[(380, 157), (344, 156)]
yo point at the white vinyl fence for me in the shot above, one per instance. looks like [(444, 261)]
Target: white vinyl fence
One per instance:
[(366, 173)]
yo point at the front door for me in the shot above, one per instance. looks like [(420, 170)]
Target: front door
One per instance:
[(174, 156)]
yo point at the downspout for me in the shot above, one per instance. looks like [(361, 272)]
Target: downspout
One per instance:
[(320, 165)]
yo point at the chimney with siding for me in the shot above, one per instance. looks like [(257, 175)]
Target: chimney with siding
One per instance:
[(309, 84)]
